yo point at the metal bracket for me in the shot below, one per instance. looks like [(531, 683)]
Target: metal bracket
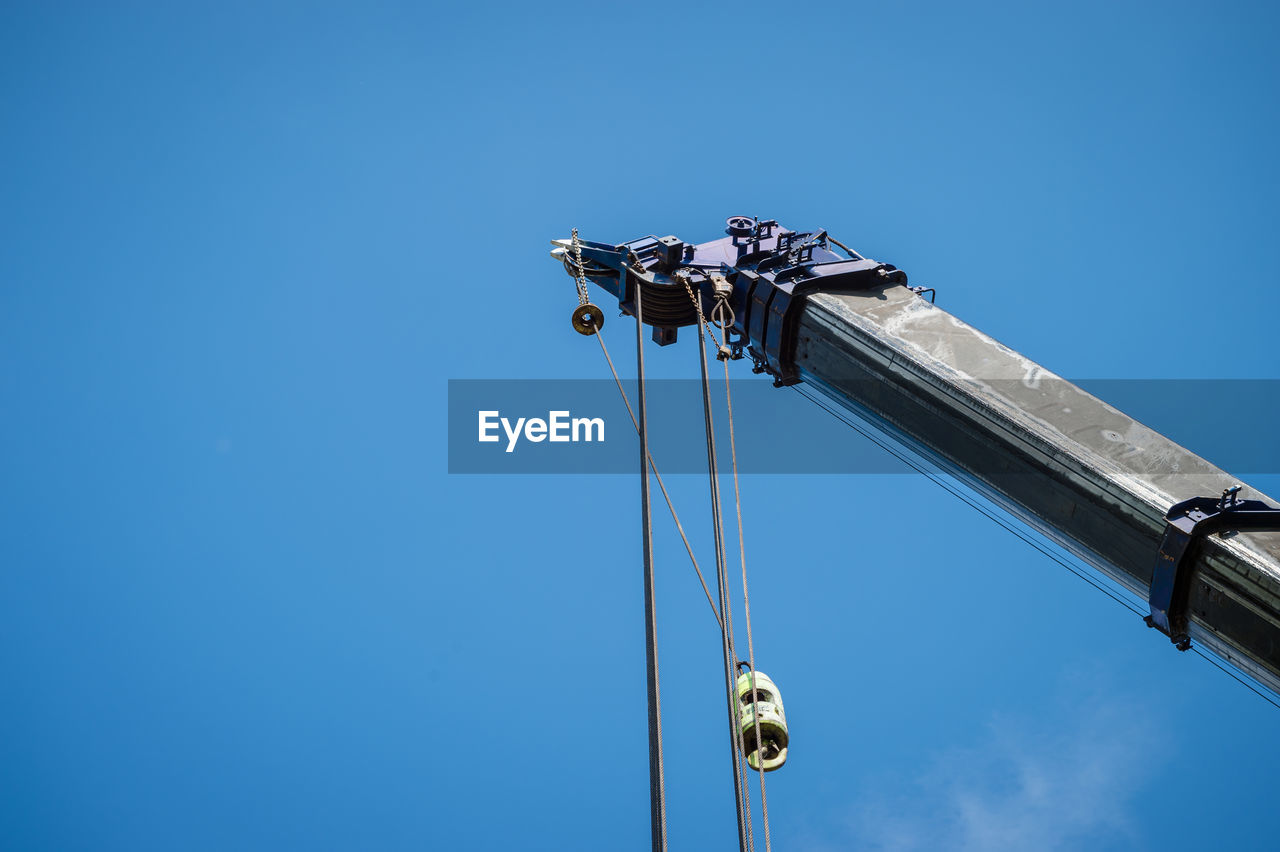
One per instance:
[(763, 270), (1187, 521)]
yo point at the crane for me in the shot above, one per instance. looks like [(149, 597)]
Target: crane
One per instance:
[(1199, 547)]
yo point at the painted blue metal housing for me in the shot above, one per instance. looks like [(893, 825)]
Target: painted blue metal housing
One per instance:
[(769, 268)]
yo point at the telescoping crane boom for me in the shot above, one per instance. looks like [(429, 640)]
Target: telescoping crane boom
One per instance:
[(1149, 514)]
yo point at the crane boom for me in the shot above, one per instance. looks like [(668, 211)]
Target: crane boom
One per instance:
[(1080, 471)]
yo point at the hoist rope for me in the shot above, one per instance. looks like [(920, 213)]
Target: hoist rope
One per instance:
[(599, 335), (736, 749), (746, 595), (657, 782)]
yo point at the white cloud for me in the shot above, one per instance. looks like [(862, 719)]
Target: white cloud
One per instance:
[(1050, 783)]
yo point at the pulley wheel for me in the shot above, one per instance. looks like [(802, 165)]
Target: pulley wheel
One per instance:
[(740, 226), (587, 319)]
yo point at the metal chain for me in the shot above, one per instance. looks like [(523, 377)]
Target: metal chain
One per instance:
[(683, 275), (579, 278)]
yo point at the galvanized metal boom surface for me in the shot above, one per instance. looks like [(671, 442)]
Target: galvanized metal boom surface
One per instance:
[(1091, 478)]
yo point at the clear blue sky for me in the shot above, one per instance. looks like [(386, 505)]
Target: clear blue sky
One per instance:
[(244, 606)]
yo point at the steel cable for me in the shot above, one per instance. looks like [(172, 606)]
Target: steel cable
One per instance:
[(730, 659), (599, 335), (919, 468), (746, 596), (657, 781)]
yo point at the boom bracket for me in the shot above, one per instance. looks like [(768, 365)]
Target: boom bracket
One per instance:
[(1188, 521)]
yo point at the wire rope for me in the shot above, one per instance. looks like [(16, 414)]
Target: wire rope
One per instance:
[(657, 781), (1118, 598), (599, 335), (746, 595), (741, 800)]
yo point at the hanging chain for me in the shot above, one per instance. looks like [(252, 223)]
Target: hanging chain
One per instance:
[(587, 318), (578, 276), (684, 276)]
